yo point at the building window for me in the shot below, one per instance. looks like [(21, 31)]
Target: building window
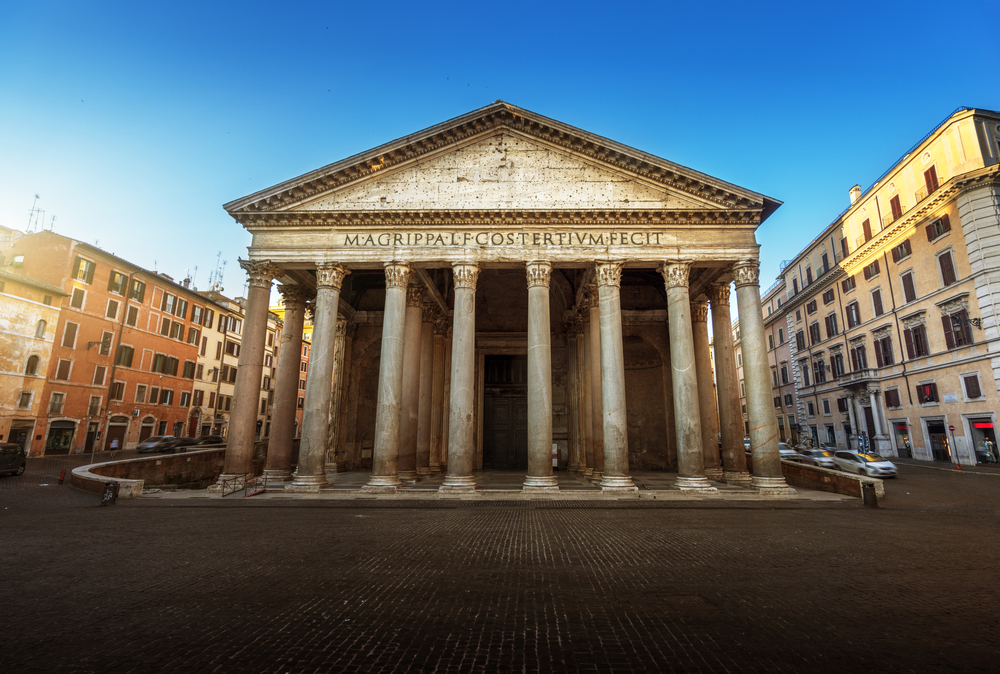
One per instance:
[(94, 407), (232, 348), (40, 329), (848, 284), (947, 265), (824, 263), (69, 335), (62, 370), (105, 346), (819, 371), (302, 384), (176, 330), (47, 300), (853, 314), (938, 228), (303, 367), (784, 374), (809, 275), (795, 286), (866, 227), (132, 317), (798, 315), (957, 329), (909, 290), (831, 326), (301, 402), (877, 302), (140, 393), (99, 373), (154, 395), (843, 247), (902, 251), (892, 398), (116, 283), (138, 291), (164, 364), (56, 403), (871, 270), (842, 405), (265, 383), (770, 342), (972, 388), (185, 399), (931, 180), (167, 396), (916, 341), (76, 299), (837, 365), (117, 391), (209, 318), (31, 367), (197, 315), (897, 208), (199, 397), (263, 406), (83, 270), (124, 355), (883, 351), (189, 368), (804, 369), (199, 372), (927, 393), (811, 307), (743, 390), (828, 297), (781, 336), (24, 400), (788, 400), (193, 335), (814, 337), (169, 303), (826, 407), (810, 408), (859, 357), (777, 402)]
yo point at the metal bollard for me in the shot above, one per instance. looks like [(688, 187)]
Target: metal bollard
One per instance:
[(62, 475), (868, 494)]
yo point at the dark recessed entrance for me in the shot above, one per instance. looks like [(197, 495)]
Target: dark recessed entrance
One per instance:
[(505, 413)]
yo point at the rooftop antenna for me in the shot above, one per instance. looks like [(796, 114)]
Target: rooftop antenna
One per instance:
[(31, 213), (52, 224)]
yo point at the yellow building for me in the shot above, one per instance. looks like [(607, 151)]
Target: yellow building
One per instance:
[(889, 313)]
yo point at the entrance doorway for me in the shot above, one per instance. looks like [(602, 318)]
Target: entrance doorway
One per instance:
[(88, 445), (984, 440), (505, 413), (60, 438), (939, 440), (117, 428)]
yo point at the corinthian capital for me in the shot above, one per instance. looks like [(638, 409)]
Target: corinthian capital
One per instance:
[(718, 293), (397, 274), (414, 295), (539, 273), (295, 296), (675, 274), (609, 273), (593, 297), (466, 274), (330, 275), (699, 312), (261, 272), (746, 273)]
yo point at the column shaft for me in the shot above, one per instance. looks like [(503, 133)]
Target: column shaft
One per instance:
[(586, 398), (734, 459), (687, 411), (310, 474), (615, 475), (573, 399), (246, 397), (279, 447), (767, 475), (596, 400), (853, 419), (336, 397), (426, 391), (539, 477), (461, 434), (437, 394), (706, 391), (410, 401), (446, 400), (385, 455)]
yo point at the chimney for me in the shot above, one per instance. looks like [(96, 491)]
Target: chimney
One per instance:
[(187, 282), (855, 194)]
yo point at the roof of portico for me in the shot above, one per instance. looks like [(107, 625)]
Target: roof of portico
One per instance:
[(720, 198)]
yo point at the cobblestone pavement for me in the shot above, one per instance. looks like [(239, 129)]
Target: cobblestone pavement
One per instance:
[(212, 585)]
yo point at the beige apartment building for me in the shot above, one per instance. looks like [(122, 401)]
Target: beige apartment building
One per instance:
[(885, 323)]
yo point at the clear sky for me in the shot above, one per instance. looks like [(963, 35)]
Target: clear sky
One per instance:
[(136, 121)]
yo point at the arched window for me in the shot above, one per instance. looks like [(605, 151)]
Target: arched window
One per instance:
[(40, 330), (32, 367)]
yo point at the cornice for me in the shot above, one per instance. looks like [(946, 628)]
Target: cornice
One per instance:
[(510, 218), (488, 121)]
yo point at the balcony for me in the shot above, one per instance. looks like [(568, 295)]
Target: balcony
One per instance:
[(859, 377)]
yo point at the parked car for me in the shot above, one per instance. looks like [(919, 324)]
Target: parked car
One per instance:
[(787, 453), (13, 458), (828, 446), (746, 444), (818, 457), (182, 444), (210, 440), (860, 463), (156, 443)]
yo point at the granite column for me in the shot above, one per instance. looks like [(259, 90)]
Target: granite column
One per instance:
[(539, 477), (461, 434), (734, 460), (706, 391), (410, 393)]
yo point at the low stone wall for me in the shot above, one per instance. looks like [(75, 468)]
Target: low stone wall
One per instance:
[(161, 469), (824, 479)]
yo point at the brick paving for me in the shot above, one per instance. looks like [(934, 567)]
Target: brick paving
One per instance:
[(286, 585)]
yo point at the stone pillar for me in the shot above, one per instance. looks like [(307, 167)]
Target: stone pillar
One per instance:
[(246, 398), (336, 397), (767, 475), (410, 400), (425, 391), (310, 474), (615, 476), (279, 447), (385, 454), (539, 477), (596, 401), (573, 397), (446, 399), (873, 397), (734, 458), (853, 418), (437, 392), (461, 434), (586, 396), (706, 391), (687, 411)]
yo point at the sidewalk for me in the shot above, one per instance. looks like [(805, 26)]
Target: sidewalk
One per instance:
[(987, 469)]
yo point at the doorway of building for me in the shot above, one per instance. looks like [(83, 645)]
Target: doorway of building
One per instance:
[(60, 438), (505, 413), (117, 427), (903, 447), (984, 440), (939, 440), (88, 445)]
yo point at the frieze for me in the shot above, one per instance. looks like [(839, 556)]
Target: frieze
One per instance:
[(609, 274), (699, 311), (330, 275), (539, 273), (466, 274), (746, 273), (397, 274), (676, 274), (261, 272)]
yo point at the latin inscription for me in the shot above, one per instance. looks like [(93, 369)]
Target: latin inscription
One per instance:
[(488, 239)]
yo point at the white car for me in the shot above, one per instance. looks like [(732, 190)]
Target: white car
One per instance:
[(818, 457), (787, 453), (862, 463)]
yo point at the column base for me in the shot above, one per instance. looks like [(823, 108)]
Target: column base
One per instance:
[(573, 469), (424, 471), (595, 476), (435, 468), (408, 477), (381, 484), (737, 479), (618, 483), (458, 484), (307, 484), (586, 471), (332, 468), (540, 483), (278, 474), (773, 486), (714, 474), (695, 483)]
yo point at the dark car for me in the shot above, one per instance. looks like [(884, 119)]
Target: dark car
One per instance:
[(182, 444), (156, 443), (13, 458), (210, 440)]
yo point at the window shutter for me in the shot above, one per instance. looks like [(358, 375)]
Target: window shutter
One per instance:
[(877, 300), (949, 336), (829, 331), (897, 207), (111, 282), (930, 177), (895, 254), (972, 387), (909, 293), (930, 232), (843, 246), (945, 223), (906, 247), (875, 266), (947, 269), (878, 352), (868, 272), (854, 360), (867, 226), (934, 395), (908, 338), (966, 328), (843, 285)]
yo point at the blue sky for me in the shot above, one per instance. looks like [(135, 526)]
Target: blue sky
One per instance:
[(136, 122)]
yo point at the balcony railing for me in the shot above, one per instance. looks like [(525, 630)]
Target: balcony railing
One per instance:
[(859, 377)]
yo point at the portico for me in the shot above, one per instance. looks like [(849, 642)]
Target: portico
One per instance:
[(513, 285)]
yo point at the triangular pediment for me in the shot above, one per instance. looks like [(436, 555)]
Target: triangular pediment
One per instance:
[(503, 171), (502, 157)]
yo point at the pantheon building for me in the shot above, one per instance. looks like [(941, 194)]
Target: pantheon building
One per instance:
[(500, 289)]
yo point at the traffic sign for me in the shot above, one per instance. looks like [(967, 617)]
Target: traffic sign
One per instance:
[(951, 428)]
